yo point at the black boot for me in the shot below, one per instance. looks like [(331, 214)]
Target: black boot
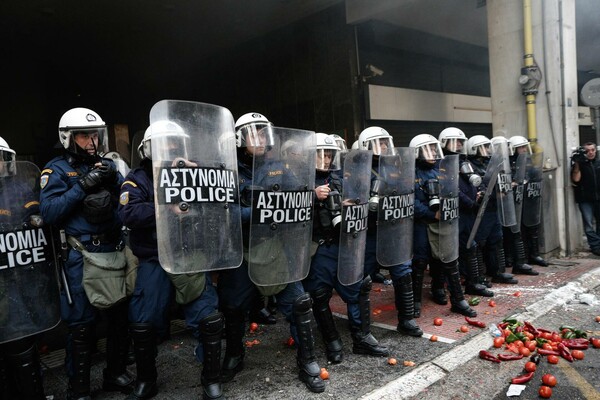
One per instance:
[(534, 248), (457, 298), (326, 324), (211, 328), (363, 341), (473, 286), (4, 371), (418, 273), (307, 361), (234, 347), (115, 374), (144, 347), (497, 264), (26, 373), (259, 313), (81, 354), (519, 266), (438, 283), (481, 267), (403, 293)]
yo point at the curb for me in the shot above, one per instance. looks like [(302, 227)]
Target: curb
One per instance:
[(414, 382)]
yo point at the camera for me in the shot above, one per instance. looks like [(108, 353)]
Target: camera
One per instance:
[(466, 169), (578, 154), (432, 189), (331, 214), (374, 196)]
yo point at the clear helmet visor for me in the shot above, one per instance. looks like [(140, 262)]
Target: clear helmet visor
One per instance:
[(456, 145), (168, 146), (8, 166), (430, 152), (381, 146), (523, 149), (327, 160), (256, 135), (93, 140), (484, 150), (341, 143)]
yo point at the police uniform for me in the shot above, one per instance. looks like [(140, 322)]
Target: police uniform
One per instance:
[(148, 307), (62, 205)]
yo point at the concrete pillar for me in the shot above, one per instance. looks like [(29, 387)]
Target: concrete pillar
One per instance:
[(554, 52)]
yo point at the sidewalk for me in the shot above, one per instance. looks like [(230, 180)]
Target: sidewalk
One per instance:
[(270, 371)]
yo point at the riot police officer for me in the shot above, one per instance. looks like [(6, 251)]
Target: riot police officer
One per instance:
[(489, 239), (380, 142), (323, 275), (514, 248), (79, 192), (148, 308), (236, 290), (453, 141), (530, 234), (20, 368), (427, 217)]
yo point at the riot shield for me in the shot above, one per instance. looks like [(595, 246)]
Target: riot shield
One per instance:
[(355, 214), (395, 215), (282, 207), (196, 197), (533, 190), (29, 292), (519, 185), (505, 200), (448, 224)]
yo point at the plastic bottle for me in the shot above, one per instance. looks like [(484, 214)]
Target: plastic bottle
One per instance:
[(494, 331)]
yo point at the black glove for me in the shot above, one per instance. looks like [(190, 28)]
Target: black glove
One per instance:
[(108, 171), (92, 179)]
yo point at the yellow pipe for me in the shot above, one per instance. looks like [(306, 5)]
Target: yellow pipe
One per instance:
[(529, 62)]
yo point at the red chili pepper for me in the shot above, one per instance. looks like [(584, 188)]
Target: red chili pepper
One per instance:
[(519, 329), (576, 340), (485, 355), (575, 346), (543, 330), (474, 322), (509, 357), (519, 380), (503, 325), (531, 328), (548, 352), (564, 352)]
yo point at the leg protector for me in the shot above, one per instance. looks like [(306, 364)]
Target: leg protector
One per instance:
[(473, 286), (211, 328), (307, 361), (500, 275), (481, 266), (438, 283), (81, 354), (26, 374), (115, 374), (457, 298), (234, 350), (144, 347), (418, 273), (324, 317), (534, 248), (363, 341), (519, 266), (403, 293)]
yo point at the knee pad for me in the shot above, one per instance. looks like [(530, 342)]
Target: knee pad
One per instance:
[(366, 285), (322, 295), (213, 324), (302, 304)]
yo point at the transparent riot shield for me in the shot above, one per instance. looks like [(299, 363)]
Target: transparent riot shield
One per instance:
[(448, 223), (533, 190), (282, 207), (29, 291), (196, 197), (355, 214), (395, 214), (505, 200), (518, 189)]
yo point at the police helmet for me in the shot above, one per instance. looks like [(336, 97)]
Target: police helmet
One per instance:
[(7, 159), (253, 129), (453, 140), (326, 146), (376, 139), (427, 147), (173, 141), (499, 143), (82, 121), (479, 145), (518, 141), (340, 141)]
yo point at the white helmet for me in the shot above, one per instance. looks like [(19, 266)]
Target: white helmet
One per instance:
[(82, 121), (376, 139), (518, 141), (174, 138), (453, 140), (326, 146), (479, 145), (354, 145), (250, 126), (427, 147), (7, 158), (499, 143), (340, 141)]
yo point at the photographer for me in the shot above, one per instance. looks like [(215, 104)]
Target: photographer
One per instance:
[(585, 174)]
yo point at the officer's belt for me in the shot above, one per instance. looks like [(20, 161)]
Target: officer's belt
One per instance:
[(101, 238)]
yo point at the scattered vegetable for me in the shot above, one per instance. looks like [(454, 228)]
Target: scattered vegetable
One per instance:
[(433, 338), (545, 392), (509, 357), (253, 327), (473, 301), (438, 321), (530, 366), (474, 322), (549, 380), (324, 374), (553, 359), (392, 361), (521, 379), (485, 355)]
